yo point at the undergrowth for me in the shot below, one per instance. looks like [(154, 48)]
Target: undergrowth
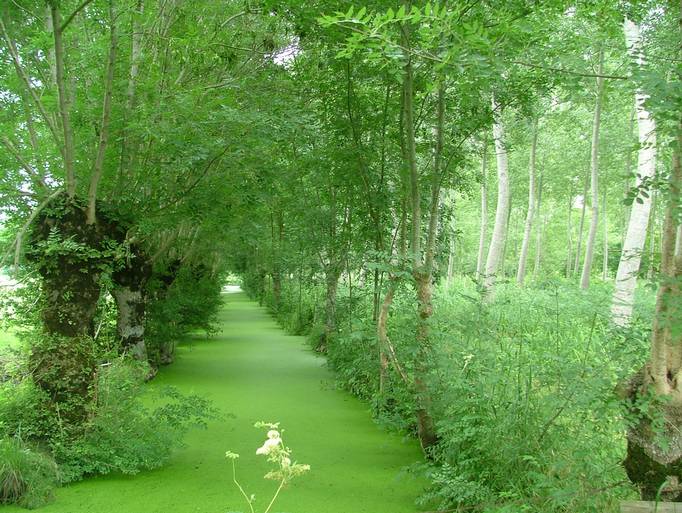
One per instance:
[(523, 389)]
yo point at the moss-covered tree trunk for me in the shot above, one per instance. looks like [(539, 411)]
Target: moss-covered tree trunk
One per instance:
[(130, 281), (69, 255)]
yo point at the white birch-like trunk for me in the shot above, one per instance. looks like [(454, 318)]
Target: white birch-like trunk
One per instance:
[(484, 215), (635, 237), (540, 233), (492, 263), (569, 238), (538, 249), (576, 264), (523, 257), (594, 179)]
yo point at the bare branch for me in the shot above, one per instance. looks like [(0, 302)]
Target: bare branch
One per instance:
[(35, 176), (63, 102), (73, 15), (27, 84), (570, 72), (18, 240), (104, 129), (207, 168)]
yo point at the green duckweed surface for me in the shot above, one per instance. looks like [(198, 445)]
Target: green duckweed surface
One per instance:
[(7, 340), (253, 371)]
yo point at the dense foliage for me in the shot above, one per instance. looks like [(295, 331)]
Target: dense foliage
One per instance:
[(526, 390), (343, 160)]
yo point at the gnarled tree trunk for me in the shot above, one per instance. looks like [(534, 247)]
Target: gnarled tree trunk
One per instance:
[(63, 360), (130, 296)]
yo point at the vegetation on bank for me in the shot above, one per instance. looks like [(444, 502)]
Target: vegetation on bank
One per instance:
[(526, 390), (357, 158), (59, 424)]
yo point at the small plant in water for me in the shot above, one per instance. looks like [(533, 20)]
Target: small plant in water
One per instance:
[(279, 455)]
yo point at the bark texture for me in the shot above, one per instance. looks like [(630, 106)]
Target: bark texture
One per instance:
[(130, 295), (594, 179), (651, 464), (483, 232), (523, 257), (497, 242), (635, 237), (69, 255)]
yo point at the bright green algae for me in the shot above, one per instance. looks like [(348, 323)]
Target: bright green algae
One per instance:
[(253, 371), (7, 340)]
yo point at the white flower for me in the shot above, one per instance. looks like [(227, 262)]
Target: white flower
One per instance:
[(286, 462), (269, 445), (273, 434)]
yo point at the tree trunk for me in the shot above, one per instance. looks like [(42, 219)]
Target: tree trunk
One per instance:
[(63, 359), (594, 172), (540, 231), (569, 235), (130, 321), (127, 144), (332, 281), (521, 273), (276, 289), (382, 336), (652, 237), (277, 238), (483, 234), (625, 211), (64, 104), (578, 249), (503, 261), (426, 428), (635, 238), (421, 264), (605, 256), (386, 351), (649, 462), (451, 263), (502, 210), (129, 292), (451, 250)]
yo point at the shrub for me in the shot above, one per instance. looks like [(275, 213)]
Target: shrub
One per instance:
[(191, 302), (123, 434), (523, 390), (27, 477), (23, 410)]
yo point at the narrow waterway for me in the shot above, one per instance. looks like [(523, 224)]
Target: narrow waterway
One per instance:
[(253, 371)]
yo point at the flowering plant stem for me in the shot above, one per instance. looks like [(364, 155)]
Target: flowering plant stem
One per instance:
[(248, 500), (274, 498)]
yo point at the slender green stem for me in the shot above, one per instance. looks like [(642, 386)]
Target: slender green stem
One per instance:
[(281, 484), (234, 478)]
